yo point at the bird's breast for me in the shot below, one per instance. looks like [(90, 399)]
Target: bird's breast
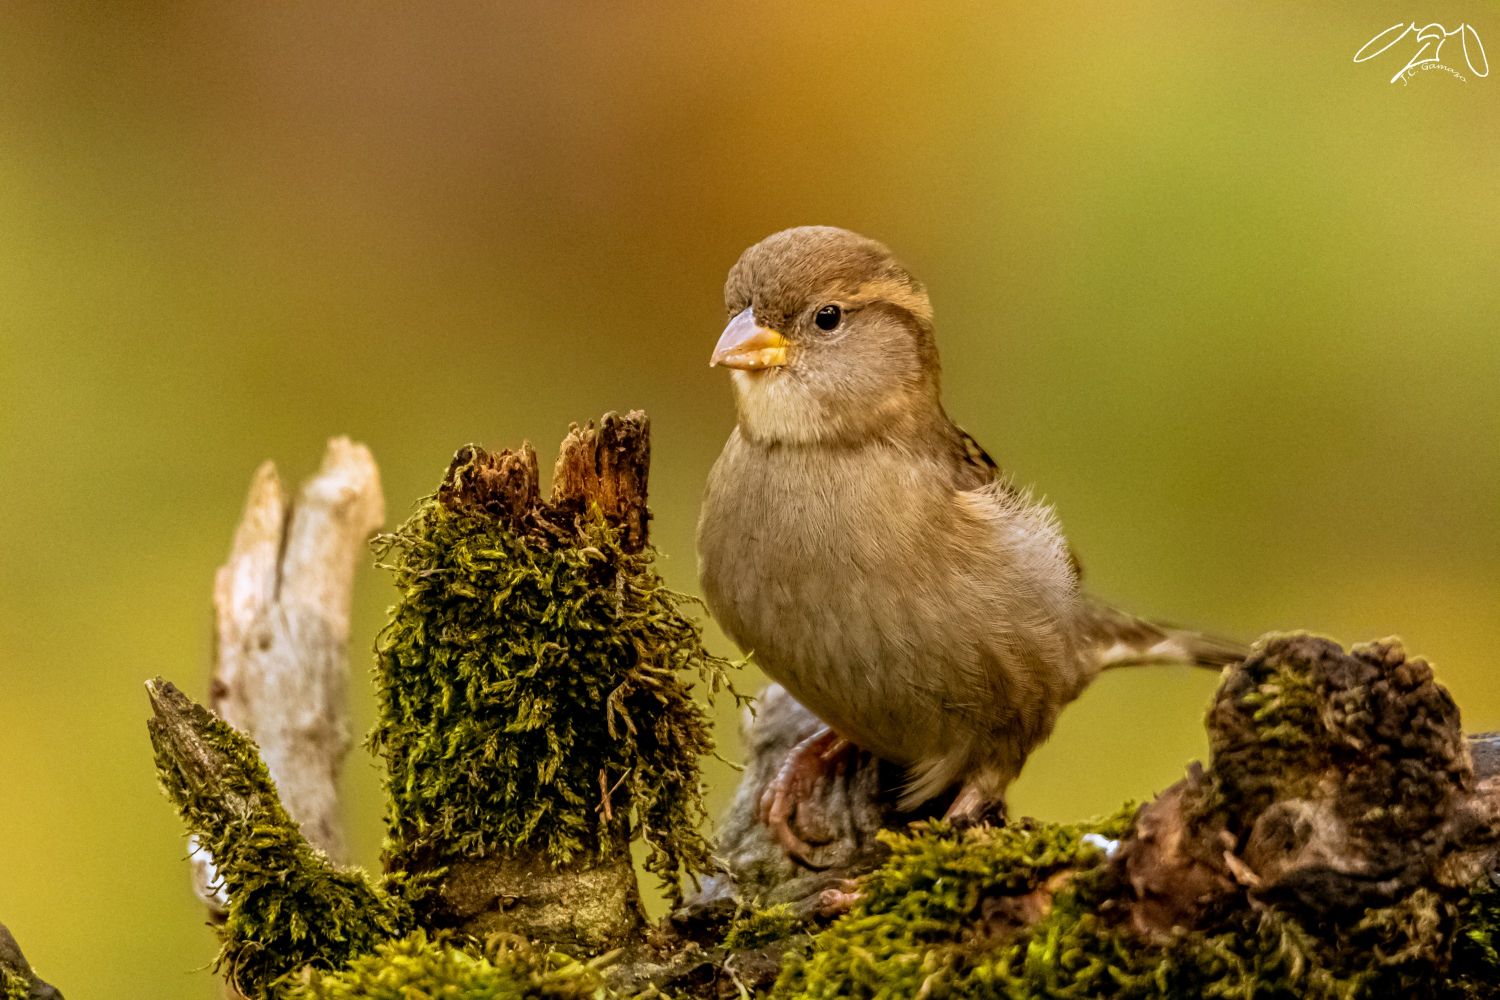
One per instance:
[(824, 567)]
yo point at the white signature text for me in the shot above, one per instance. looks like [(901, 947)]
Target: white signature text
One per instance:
[(1429, 41)]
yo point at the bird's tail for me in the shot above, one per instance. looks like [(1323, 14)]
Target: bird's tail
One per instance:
[(1123, 640)]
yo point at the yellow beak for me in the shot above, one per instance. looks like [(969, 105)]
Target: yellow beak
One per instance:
[(749, 347)]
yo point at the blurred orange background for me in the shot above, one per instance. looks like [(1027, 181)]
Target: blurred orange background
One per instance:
[(1227, 298)]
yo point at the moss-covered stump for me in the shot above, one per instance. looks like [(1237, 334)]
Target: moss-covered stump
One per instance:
[(288, 908), (535, 681), (1338, 845)]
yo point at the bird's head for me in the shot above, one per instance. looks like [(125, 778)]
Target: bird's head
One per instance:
[(830, 338)]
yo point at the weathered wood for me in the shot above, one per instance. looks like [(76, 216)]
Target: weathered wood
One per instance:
[(842, 817), (1383, 801), (608, 466), (1340, 840), (503, 483), (281, 614), (604, 467)]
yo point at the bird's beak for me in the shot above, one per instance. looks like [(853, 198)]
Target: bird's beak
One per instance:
[(749, 347)]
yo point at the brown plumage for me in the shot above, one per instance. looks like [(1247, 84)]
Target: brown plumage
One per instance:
[(870, 554)]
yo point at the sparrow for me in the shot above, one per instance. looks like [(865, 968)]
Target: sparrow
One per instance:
[(872, 558)]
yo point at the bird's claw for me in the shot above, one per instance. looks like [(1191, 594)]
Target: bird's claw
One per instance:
[(810, 761), (972, 807), (837, 900)]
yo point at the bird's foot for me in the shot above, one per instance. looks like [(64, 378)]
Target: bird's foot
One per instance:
[(973, 807), (836, 900), (817, 757)]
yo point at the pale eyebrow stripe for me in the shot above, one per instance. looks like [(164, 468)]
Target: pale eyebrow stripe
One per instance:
[(897, 293)]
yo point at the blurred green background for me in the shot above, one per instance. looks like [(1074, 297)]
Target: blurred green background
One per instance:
[(1227, 298)]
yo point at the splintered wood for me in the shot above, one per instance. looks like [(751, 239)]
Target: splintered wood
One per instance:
[(604, 466)]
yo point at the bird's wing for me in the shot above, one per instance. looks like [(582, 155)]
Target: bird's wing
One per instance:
[(977, 463), (979, 469)]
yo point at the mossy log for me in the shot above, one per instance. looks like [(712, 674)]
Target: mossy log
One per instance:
[(536, 718), (1339, 843)]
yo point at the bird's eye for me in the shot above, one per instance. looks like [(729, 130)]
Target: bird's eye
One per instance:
[(828, 317)]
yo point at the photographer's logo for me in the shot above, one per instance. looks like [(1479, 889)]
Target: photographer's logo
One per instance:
[(1425, 46)]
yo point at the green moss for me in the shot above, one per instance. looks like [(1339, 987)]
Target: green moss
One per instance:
[(13, 985), (535, 696), (1027, 911), (415, 967), (1300, 710), (933, 919), (1277, 732), (1366, 742), (289, 906), (755, 928), (1476, 949)]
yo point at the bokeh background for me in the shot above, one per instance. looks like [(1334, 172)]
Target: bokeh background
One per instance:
[(1226, 297)]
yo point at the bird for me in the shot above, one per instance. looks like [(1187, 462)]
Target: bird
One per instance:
[(873, 559)]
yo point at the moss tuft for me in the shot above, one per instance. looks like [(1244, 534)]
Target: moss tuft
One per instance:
[(1300, 709), (1476, 949), (414, 966), (535, 695), (289, 906), (1032, 910), (936, 918), (13, 985), (755, 928)]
